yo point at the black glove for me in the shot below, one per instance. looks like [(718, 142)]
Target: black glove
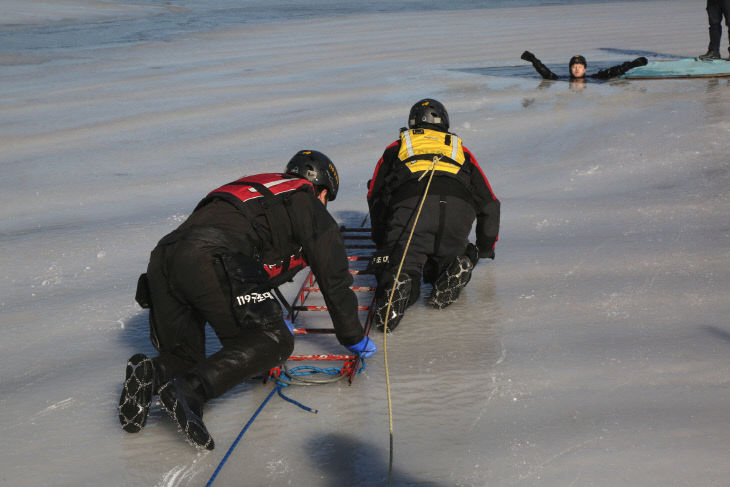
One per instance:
[(640, 61), (528, 56), (472, 251), (143, 292)]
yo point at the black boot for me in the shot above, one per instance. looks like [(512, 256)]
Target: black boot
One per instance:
[(134, 403), (447, 287), (183, 400), (397, 306), (710, 54)]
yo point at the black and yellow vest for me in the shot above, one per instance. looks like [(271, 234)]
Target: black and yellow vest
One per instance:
[(420, 146)]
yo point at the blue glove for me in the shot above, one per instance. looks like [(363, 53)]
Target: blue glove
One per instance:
[(365, 348), (289, 325)]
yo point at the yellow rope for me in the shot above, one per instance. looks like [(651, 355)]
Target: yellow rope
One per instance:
[(431, 169)]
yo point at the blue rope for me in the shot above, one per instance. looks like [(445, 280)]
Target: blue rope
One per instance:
[(301, 370), (240, 435), (281, 386), (311, 370)]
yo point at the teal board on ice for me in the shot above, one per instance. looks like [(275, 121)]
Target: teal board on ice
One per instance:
[(681, 68)]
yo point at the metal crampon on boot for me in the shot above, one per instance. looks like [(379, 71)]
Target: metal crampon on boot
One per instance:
[(398, 305), (184, 404), (447, 287), (134, 403)]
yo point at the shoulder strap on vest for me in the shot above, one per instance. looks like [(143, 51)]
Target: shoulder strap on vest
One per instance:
[(269, 196)]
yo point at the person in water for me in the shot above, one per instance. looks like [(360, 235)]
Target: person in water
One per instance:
[(578, 65)]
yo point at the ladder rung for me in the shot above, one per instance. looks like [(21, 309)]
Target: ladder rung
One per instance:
[(358, 257), (361, 289), (356, 229), (356, 237), (322, 357), (313, 331), (363, 272), (323, 308)]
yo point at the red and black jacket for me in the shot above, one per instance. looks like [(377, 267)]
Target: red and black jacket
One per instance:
[(268, 195), (277, 219)]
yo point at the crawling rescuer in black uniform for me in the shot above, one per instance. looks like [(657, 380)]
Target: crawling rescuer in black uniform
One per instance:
[(459, 195), (578, 65), (220, 266)]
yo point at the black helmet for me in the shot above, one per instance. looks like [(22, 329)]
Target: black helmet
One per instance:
[(428, 113), (316, 168), (577, 59)]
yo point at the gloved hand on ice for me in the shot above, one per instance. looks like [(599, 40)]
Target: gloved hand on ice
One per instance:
[(365, 348)]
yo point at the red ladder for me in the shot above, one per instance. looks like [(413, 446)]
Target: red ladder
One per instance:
[(356, 254)]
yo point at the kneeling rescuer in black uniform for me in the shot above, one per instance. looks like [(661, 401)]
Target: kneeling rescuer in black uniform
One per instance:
[(219, 267)]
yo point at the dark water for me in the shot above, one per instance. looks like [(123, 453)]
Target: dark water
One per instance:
[(170, 20)]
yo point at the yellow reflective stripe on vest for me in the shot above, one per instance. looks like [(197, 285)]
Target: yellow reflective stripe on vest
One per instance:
[(429, 143)]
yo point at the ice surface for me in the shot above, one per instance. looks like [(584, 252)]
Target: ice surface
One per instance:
[(593, 350)]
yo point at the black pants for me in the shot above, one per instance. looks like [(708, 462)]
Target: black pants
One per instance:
[(441, 234), (189, 287), (716, 9)]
